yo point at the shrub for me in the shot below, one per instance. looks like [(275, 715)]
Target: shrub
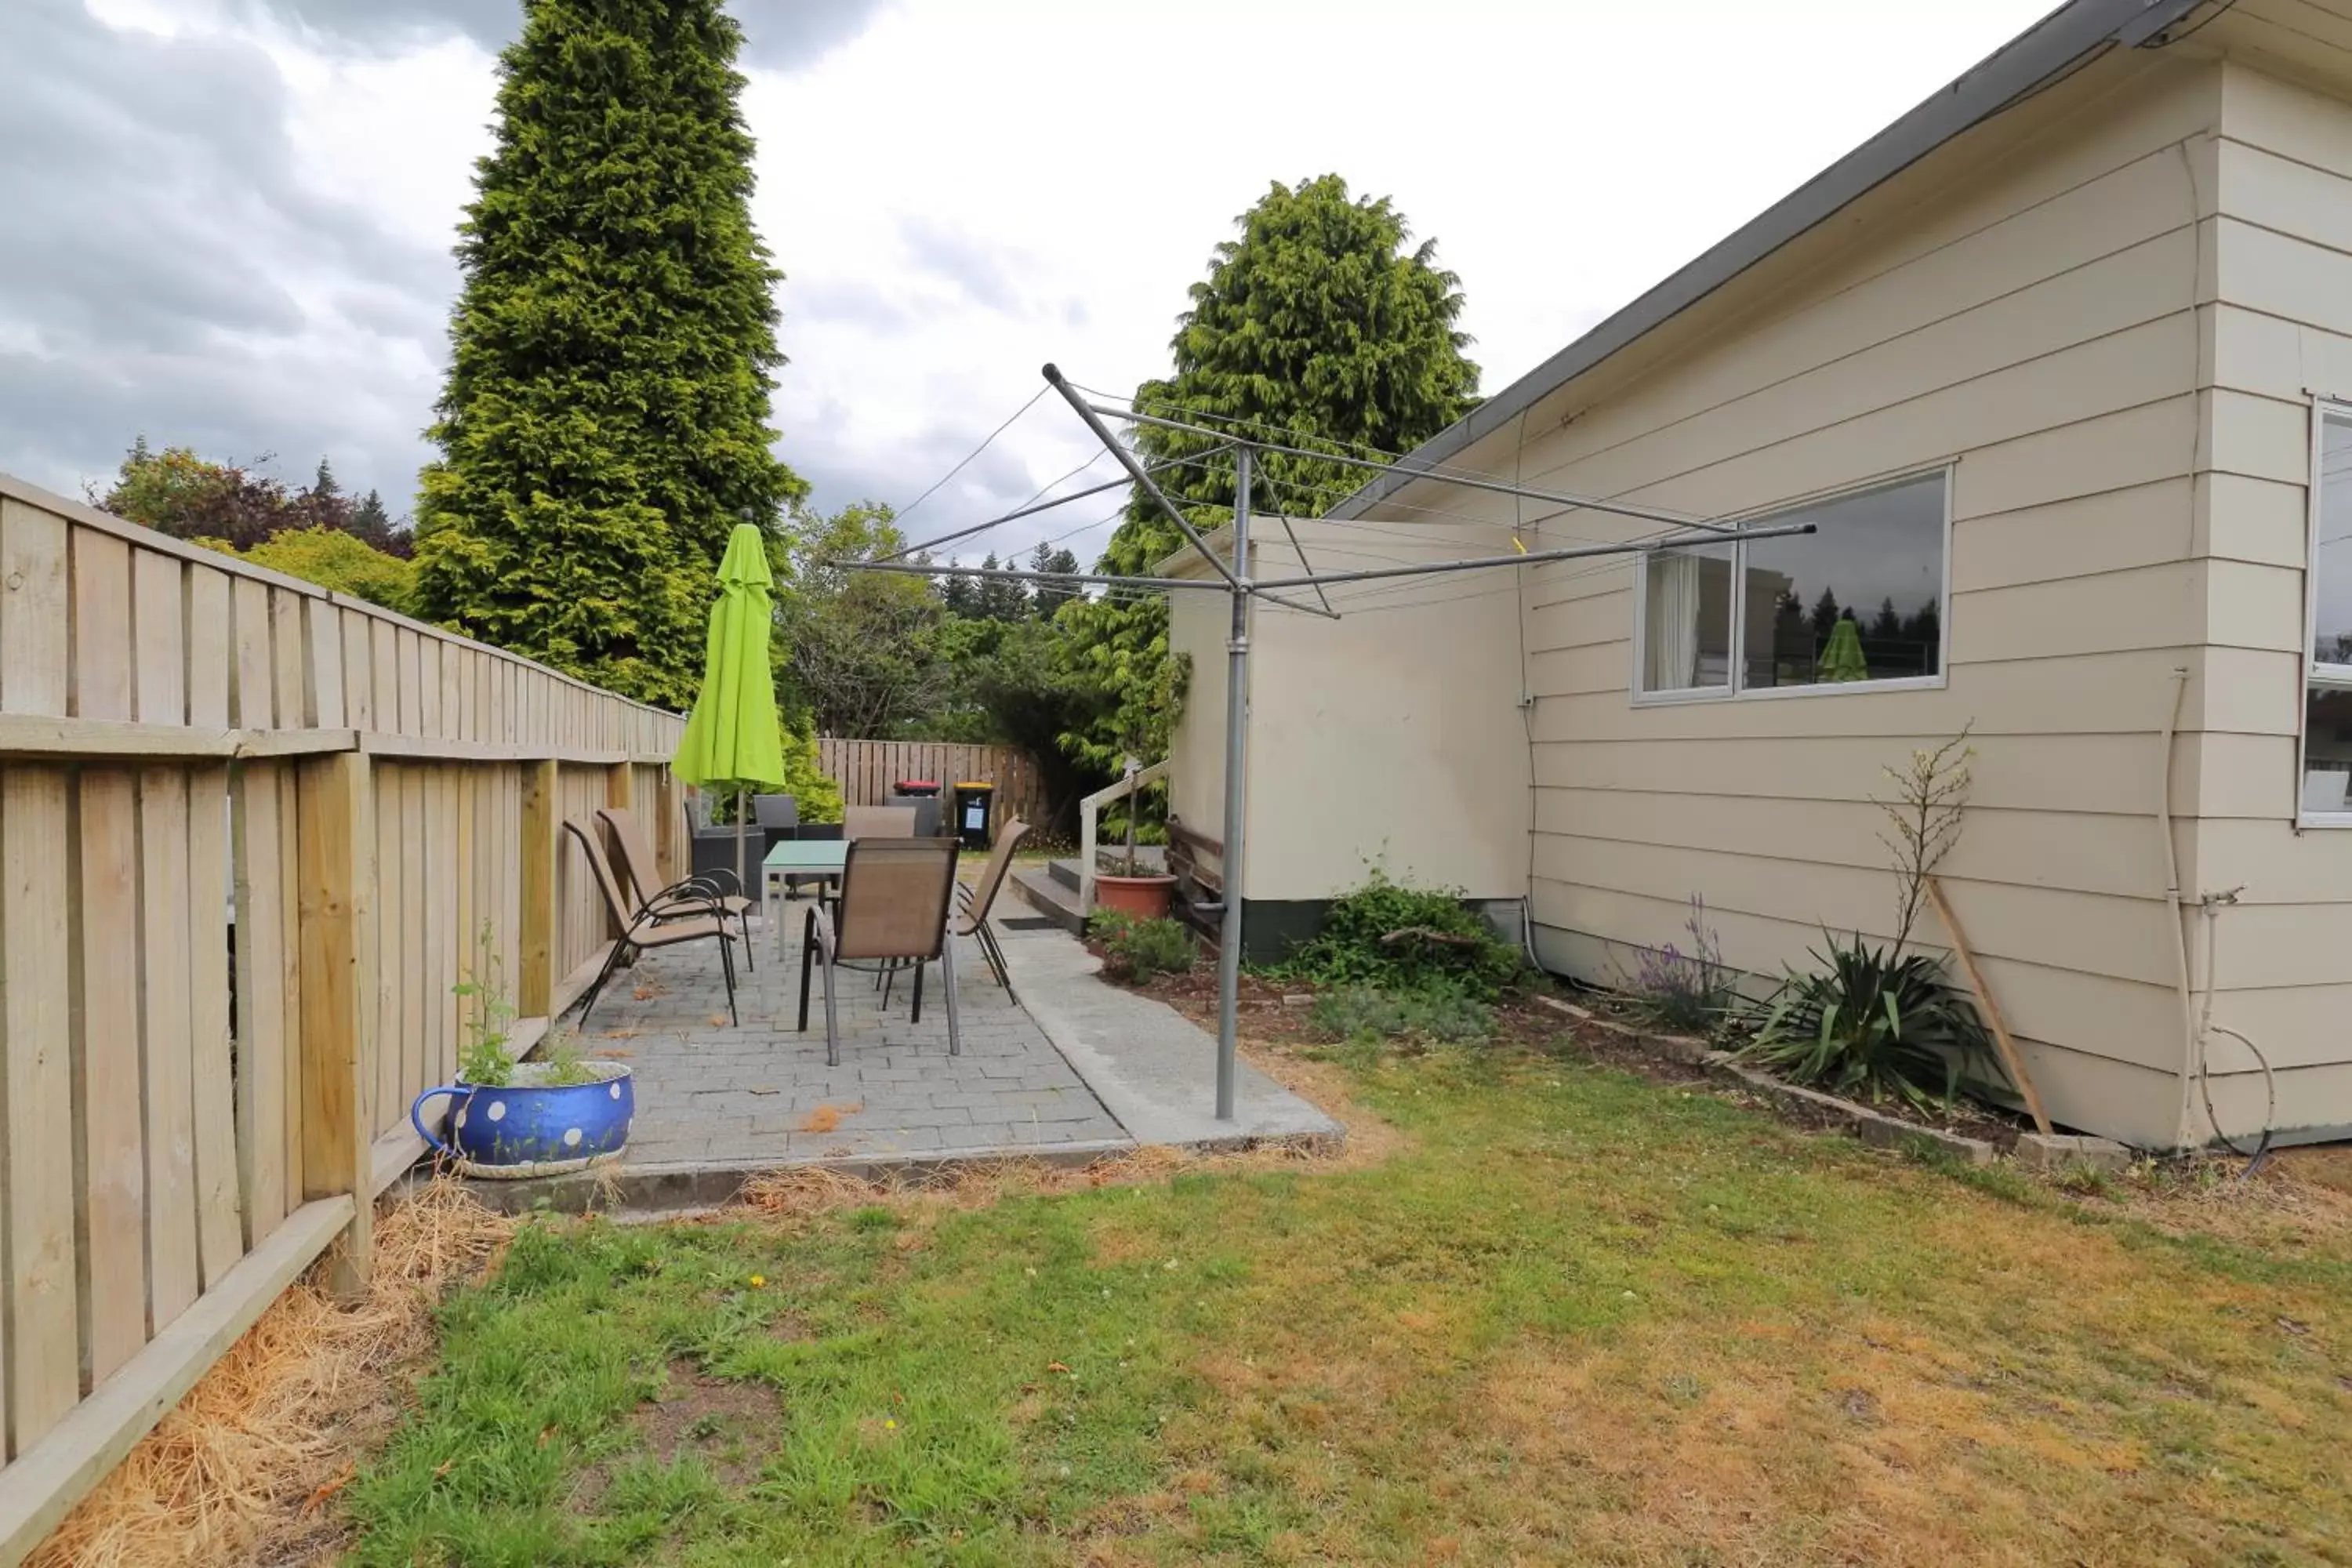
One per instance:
[(1690, 993), (1871, 1025), (1134, 951), (1400, 939), (1363, 1012)]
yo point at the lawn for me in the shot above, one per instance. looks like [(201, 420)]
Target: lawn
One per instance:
[(1549, 1311)]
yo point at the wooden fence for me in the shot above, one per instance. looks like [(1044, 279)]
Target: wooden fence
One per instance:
[(250, 831), (867, 769)]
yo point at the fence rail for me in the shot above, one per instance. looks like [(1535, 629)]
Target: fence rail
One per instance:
[(250, 831), (866, 770)]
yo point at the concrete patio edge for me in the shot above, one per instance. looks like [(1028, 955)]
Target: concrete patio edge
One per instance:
[(1151, 1067)]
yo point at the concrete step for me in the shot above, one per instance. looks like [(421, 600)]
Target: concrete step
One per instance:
[(1149, 859), (1045, 891)]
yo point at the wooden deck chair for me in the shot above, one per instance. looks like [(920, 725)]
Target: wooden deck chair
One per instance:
[(641, 874), (971, 921), (643, 929), (895, 897)]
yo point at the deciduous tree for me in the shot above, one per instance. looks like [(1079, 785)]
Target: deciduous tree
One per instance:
[(1319, 324)]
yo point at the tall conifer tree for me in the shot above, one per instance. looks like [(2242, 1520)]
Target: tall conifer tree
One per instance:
[(606, 419)]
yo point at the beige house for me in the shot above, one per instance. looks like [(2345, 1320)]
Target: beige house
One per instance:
[(2052, 362)]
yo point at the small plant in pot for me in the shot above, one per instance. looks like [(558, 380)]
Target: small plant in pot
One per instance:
[(1130, 889), (511, 1118)]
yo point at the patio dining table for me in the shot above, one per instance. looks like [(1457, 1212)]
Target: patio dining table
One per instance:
[(820, 860)]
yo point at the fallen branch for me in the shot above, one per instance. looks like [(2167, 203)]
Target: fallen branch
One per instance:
[(1428, 934)]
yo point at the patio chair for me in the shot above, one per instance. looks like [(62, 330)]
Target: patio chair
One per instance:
[(972, 920), (894, 903), (877, 822), (644, 931), (641, 872)]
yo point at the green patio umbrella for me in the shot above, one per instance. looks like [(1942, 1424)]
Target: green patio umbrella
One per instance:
[(731, 739), (1841, 659)]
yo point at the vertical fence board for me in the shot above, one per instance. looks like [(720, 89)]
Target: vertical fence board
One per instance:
[(452, 691), (167, 1043), (101, 627), (411, 670), (32, 628), (251, 688), (336, 841), (467, 790), (296, 705), (406, 1057), (261, 1116), (290, 986), (209, 660), (326, 670), (384, 663), (159, 683), (219, 1241), (428, 685), (455, 906), (107, 1100), (43, 1310), (390, 934), (359, 671)]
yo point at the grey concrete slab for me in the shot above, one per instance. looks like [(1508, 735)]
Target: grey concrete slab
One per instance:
[(744, 1096), (1079, 1069), (1150, 1065)]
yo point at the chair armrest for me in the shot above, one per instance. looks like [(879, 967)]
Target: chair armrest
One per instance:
[(823, 924), (684, 901), (720, 877)]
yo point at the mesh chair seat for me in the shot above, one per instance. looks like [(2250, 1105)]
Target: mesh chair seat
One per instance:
[(640, 928), (695, 895), (896, 896)]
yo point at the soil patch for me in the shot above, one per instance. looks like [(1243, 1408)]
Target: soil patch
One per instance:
[(729, 1423)]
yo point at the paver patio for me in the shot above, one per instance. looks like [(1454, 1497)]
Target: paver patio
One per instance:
[(711, 1094)]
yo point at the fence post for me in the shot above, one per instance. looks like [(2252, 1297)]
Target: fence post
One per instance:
[(541, 802), (668, 808), (335, 850)]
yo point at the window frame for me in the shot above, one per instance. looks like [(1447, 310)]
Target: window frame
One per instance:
[(2315, 675), (1736, 689)]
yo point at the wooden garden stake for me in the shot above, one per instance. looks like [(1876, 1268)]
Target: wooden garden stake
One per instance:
[(2008, 1056)]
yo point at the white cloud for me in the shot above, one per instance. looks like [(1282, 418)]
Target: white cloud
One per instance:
[(956, 194)]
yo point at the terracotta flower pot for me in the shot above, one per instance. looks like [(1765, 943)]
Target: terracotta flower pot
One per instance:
[(1145, 897)]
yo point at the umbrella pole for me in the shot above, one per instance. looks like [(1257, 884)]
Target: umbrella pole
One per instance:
[(738, 840)]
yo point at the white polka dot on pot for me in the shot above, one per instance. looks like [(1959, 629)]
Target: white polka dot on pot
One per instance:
[(498, 1110), (571, 1138)]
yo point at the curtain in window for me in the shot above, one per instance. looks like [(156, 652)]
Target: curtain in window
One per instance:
[(1672, 622)]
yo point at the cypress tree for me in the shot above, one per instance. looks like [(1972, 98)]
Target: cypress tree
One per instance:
[(606, 419)]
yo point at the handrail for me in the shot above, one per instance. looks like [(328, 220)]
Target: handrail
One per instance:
[(1089, 810)]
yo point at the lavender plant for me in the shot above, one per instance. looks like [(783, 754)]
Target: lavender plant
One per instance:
[(1687, 990)]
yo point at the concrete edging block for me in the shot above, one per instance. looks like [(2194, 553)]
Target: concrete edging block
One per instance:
[(1870, 1126)]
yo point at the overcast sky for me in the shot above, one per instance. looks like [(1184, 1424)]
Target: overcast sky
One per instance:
[(229, 220)]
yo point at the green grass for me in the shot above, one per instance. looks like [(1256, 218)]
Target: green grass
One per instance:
[(1576, 1317)]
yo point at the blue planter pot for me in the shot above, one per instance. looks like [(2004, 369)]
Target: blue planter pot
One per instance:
[(529, 1128)]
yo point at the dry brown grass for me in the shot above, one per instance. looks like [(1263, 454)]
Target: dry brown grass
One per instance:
[(2300, 1199), (241, 1470), (808, 1190), (827, 1118)]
